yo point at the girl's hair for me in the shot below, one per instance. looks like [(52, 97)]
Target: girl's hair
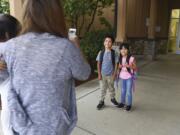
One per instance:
[(126, 46), (44, 16), (9, 26)]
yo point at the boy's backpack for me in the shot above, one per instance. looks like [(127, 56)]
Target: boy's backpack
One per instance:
[(112, 57)]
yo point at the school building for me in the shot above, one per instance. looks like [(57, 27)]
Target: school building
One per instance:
[(150, 26)]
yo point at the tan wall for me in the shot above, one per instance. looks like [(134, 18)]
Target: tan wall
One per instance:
[(16, 9), (108, 14)]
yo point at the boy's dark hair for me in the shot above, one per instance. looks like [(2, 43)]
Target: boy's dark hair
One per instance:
[(109, 36), (9, 25)]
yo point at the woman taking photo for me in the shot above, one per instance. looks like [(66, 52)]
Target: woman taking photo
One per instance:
[(42, 65)]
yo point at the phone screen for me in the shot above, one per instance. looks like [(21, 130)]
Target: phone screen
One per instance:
[(72, 33)]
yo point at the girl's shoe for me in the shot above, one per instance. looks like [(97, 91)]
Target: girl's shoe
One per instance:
[(128, 107), (121, 105)]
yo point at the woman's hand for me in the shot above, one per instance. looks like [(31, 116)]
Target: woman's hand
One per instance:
[(3, 65), (75, 41)]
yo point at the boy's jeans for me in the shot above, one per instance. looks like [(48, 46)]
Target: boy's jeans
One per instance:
[(126, 91), (107, 82)]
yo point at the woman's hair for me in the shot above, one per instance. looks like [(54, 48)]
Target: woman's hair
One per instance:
[(9, 27), (44, 16)]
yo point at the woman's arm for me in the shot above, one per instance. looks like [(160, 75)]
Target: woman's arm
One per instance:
[(78, 64)]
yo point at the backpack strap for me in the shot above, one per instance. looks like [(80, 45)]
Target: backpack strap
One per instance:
[(101, 57), (127, 60), (113, 57)]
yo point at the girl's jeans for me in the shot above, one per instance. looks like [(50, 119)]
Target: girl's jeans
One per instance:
[(126, 91)]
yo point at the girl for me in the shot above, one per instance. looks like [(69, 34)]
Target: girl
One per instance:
[(42, 64), (9, 28), (127, 66)]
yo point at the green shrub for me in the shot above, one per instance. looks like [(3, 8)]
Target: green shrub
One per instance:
[(4, 6)]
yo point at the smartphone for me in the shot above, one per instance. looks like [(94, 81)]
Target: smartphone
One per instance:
[(72, 33)]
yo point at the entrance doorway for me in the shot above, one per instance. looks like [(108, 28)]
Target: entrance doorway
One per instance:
[(174, 32)]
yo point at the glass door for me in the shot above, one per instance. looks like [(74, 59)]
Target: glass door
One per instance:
[(178, 40), (174, 34)]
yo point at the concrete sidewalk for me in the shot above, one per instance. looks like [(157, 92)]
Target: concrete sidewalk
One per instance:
[(156, 106)]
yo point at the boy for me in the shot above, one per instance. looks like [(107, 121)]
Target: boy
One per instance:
[(107, 61)]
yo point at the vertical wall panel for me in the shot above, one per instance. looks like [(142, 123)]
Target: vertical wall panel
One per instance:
[(137, 12), (163, 18), (131, 19), (175, 4)]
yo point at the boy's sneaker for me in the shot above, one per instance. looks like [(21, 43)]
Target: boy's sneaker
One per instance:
[(100, 105), (121, 105), (128, 108), (113, 100)]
